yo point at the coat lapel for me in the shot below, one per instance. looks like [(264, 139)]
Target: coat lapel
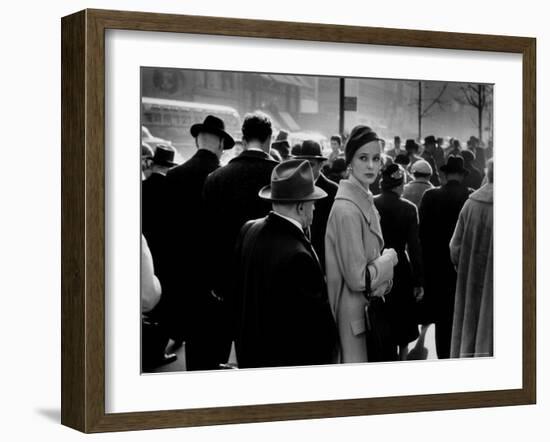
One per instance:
[(300, 236), (350, 191)]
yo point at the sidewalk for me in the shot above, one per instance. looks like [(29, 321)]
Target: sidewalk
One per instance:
[(421, 349)]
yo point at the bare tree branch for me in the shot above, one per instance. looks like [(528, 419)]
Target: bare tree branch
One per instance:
[(436, 100)]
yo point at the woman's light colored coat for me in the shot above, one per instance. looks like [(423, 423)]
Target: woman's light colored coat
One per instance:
[(353, 240), (472, 253)]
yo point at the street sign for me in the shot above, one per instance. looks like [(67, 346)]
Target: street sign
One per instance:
[(350, 104)]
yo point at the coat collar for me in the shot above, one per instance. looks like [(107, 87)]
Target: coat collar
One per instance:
[(363, 199), (279, 221), (253, 154), (483, 194), (282, 223), (205, 154)]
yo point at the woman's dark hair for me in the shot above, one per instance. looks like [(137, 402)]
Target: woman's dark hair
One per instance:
[(256, 126)]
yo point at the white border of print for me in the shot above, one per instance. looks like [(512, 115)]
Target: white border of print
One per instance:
[(127, 390)]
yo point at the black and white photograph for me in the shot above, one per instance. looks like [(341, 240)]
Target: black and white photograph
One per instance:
[(294, 220)]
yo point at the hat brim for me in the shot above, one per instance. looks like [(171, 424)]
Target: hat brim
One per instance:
[(445, 169), (318, 193), (196, 129), (309, 157)]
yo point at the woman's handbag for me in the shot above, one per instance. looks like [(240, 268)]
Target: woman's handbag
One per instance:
[(381, 345)]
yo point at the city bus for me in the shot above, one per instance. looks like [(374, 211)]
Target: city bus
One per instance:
[(172, 120)]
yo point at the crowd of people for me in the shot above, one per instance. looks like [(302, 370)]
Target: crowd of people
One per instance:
[(302, 258)]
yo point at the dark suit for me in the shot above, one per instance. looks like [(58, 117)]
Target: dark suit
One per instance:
[(231, 198), (439, 210), (285, 317), (320, 217), (189, 306)]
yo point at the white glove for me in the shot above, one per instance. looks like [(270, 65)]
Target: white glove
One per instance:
[(390, 254), (381, 269)]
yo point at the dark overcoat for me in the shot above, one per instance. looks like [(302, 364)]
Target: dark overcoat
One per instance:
[(188, 282), (320, 217), (153, 220), (399, 222), (439, 209), (285, 317), (231, 199), (474, 177)]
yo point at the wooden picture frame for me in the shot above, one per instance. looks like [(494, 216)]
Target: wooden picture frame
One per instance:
[(83, 220)]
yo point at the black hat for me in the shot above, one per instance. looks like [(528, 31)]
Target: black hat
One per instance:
[(411, 144), (402, 159), (308, 150), (281, 144), (468, 155), (292, 181), (430, 139), (392, 176), (359, 136), (164, 156), (455, 164), (338, 165), (216, 126)]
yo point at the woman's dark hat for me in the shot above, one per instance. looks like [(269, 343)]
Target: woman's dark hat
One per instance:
[(308, 150), (292, 181), (402, 159), (359, 136), (216, 126), (164, 156), (455, 164), (411, 144), (392, 176)]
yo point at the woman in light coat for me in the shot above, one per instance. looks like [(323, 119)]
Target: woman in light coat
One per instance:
[(355, 266), (471, 250)]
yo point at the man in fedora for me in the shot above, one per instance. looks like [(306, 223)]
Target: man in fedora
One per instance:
[(153, 207), (190, 297), (284, 314), (231, 198), (428, 155), (473, 145), (438, 212), (281, 145), (311, 151)]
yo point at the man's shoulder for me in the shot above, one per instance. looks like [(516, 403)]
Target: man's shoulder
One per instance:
[(327, 185), (408, 206), (434, 193)]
